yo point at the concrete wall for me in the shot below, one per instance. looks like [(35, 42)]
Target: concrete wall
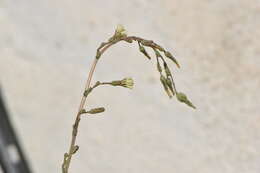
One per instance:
[(46, 49)]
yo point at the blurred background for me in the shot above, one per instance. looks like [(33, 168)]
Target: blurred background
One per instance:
[(46, 49)]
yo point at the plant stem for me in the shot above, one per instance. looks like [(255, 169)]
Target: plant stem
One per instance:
[(101, 49), (68, 156), (67, 159)]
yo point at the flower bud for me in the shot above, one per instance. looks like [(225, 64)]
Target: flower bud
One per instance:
[(142, 49), (120, 29), (169, 84), (96, 110), (169, 55), (183, 98), (167, 70), (126, 82), (165, 86), (75, 149), (120, 32), (157, 53)]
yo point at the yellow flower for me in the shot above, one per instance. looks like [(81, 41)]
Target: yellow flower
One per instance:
[(120, 28), (128, 83), (120, 31)]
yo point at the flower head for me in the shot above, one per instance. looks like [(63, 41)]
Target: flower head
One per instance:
[(120, 31), (120, 28), (128, 83)]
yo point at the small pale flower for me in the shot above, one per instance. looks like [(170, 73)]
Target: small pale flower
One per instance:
[(120, 29), (128, 83)]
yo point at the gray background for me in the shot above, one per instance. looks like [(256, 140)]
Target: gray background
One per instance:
[(46, 49)]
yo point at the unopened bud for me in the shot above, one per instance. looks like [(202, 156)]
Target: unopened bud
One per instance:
[(167, 70), (165, 86), (169, 84), (96, 110), (142, 49), (169, 55), (183, 98), (157, 53), (75, 149)]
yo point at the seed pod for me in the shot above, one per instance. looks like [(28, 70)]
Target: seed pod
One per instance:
[(169, 55)]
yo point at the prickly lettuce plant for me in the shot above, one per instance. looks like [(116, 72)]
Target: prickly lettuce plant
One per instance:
[(166, 79)]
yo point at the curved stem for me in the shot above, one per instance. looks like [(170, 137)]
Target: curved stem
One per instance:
[(67, 158), (101, 49)]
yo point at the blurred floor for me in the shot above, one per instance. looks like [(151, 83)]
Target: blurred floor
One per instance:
[(46, 48)]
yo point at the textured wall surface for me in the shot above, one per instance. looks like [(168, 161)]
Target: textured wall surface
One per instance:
[(46, 49)]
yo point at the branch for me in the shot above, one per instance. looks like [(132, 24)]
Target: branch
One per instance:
[(167, 82)]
